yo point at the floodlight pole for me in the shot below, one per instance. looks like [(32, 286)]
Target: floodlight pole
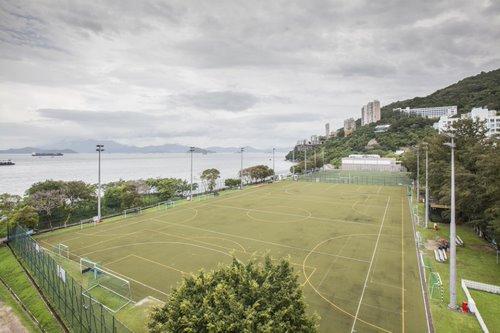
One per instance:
[(305, 159), (242, 149), (453, 231), (426, 146), (274, 171), (323, 153), (99, 149), (315, 162), (191, 150), (418, 174), (293, 159)]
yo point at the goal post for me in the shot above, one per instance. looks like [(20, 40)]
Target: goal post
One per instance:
[(165, 204), (111, 290), (132, 211), (61, 250)]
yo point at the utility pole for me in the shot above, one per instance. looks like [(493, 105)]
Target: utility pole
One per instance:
[(191, 150), (242, 149), (426, 147), (99, 149), (418, 174), (453, 231)]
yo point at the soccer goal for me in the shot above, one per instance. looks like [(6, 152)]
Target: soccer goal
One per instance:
[(61, 250), (132, 211), (109, 289), (165, 204)]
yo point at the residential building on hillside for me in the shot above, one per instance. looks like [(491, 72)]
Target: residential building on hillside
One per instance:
[(489, 117), (370, 162), (444, 123), (349, 126), (370, 113), (327, 130), (382, 128), (432, 112)]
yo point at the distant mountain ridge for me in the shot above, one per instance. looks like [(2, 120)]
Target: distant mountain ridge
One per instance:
[(30, 150), (88, 146)]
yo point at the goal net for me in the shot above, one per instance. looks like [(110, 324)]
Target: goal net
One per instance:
[(61, 250), (109, 289), (132, 211), (165, 204)]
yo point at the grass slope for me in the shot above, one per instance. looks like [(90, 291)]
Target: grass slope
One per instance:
[(475, 261), (15, 277)]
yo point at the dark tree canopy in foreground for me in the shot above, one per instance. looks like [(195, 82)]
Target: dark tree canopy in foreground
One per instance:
[(237, 298)]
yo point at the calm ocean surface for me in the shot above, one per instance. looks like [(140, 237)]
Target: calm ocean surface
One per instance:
[(28, 170)]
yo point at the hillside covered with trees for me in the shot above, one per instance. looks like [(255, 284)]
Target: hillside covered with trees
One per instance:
[(405, 131)]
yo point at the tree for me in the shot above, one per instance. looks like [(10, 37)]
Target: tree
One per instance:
[(476, 175), (168, 188), (26, 216), (121, 196), (257, 172), (47, 202), (232, 182), (47, 185), (236, 298), (8, 203), (210, 176)]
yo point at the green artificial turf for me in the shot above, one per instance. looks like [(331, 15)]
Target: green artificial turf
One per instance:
[(351, 245)]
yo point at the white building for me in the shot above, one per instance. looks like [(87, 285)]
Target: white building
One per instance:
[(489, 117), (370, 163), (444, 123), (370, 113), (382, 128), (432, 112)]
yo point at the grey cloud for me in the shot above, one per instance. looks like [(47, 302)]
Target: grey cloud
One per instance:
[(369, 68), (103, 118), (217, 100)]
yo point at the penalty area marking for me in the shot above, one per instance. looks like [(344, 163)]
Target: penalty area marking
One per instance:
[(322, 296)]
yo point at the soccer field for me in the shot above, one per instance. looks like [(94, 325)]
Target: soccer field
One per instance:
[(352, 247)]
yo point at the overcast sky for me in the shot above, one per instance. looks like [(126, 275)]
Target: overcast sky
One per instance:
[(229, 73)]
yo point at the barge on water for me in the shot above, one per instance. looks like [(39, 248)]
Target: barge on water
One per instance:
[(47, 154), (6, 162)]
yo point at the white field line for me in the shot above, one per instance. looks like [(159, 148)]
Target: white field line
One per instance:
[(333, 262), (319, 200), (370, 266), (402, 271), (295, 215), (264, 242)]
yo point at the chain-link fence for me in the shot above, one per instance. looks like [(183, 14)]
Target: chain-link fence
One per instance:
[(79, 311), (358, 177)]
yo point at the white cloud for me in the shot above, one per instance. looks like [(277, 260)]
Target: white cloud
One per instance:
[(212, 73)]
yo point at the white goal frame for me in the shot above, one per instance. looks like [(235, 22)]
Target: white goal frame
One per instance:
[(96, 282), (136, 210), (61, 250)]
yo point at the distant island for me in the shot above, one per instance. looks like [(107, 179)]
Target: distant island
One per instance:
[(38, 151), (88, 146)]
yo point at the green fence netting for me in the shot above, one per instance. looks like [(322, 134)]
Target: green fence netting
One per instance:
[(79, 311), (358, 177)]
